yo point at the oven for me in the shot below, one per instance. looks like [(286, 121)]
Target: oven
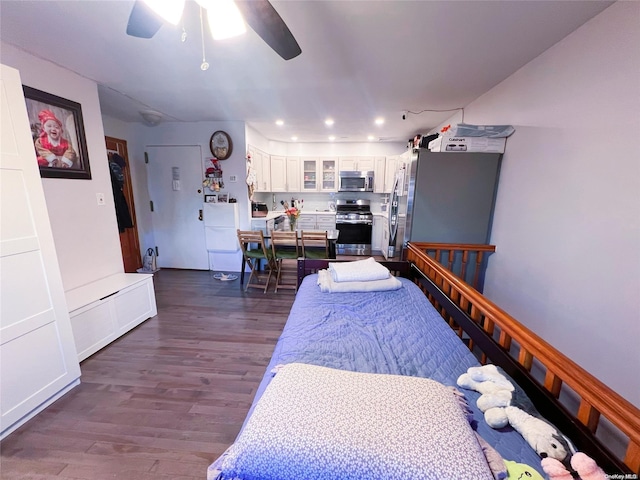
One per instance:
[(354, 223)]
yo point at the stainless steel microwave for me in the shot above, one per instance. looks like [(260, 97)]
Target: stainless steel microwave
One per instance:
[(355, 181)]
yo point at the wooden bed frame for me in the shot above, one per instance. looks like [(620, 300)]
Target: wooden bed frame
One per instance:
[(495, 337)]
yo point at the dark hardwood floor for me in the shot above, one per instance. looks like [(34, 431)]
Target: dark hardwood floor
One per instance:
[(166, 399)]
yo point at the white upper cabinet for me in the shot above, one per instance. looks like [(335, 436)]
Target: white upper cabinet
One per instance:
[(285, 174), (309, 174), (293, 174), (379, 176), (261, 163), (318, 174), (278, 173), (391, 168), (365, 164), (328, 174)]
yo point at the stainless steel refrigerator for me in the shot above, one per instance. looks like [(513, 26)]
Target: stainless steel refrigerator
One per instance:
[(443, 197)]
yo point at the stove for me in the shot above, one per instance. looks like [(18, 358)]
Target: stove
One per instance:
[(354, 222)]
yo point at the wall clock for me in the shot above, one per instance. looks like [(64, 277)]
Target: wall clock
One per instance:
[(221, 145)]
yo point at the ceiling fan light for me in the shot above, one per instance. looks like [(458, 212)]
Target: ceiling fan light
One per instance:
[(225, 20), (171, 11)]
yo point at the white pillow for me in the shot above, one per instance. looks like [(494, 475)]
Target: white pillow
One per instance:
[(315, 422)]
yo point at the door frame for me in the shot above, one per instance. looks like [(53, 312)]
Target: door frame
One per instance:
[(131, 259)]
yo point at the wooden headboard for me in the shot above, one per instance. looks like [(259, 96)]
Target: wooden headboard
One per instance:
[(496, 337)]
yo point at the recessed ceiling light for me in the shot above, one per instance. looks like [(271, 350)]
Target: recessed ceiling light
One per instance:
[(294, 138), (279, 122), (379, 121), (332, 138), (371, 138), (329, 122)]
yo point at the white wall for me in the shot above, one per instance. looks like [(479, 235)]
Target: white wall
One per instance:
[(85, 234), (567, 219)]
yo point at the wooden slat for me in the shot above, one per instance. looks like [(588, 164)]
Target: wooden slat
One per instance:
[(588, 415), (552, 383), (632, 457)]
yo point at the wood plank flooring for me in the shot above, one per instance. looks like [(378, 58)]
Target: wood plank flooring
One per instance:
[(166, 399)]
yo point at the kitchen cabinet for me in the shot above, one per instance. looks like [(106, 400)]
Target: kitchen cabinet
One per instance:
[(384, 244), (278, 173), (315, 221), (365, 164), (309, 174), (261, 163), (328, 171), (391, 167), (326, 221), (379, 175), (318, 174), (293, 174), (379, 223), (285, 174)]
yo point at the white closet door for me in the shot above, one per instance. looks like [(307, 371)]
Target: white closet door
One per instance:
[(38, 360)]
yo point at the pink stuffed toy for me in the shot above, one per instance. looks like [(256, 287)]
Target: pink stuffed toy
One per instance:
[(581, 463)]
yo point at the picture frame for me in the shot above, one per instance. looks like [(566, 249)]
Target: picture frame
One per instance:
[(223, 198), (211, 199), (57, 130)]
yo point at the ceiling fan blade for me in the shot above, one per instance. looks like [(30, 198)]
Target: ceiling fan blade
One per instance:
[(265, 21), (143, 22)]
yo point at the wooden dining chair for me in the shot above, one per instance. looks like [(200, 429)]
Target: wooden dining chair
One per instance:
[(314, 244), (286, 249), (254, 250)]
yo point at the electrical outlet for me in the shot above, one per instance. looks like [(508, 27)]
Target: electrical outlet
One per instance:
[(233, 178), (100, 198)]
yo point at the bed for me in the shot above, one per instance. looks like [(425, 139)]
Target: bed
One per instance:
[(395, 345)]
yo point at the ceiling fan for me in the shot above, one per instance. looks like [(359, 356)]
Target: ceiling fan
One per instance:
[(260, 15)]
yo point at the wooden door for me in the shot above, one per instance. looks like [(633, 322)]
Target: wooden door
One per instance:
[(129, 243)]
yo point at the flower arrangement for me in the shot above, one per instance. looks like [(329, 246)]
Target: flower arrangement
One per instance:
[(293, 211)]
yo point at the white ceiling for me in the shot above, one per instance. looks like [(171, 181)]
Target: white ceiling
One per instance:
[(360, 59)]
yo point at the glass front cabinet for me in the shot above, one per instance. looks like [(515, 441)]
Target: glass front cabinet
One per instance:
[(319, 175)]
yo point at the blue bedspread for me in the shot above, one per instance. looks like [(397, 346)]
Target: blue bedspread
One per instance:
[(396, 332)]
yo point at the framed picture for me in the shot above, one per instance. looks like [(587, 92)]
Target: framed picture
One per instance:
[(223, 198), (58, 136), (210, 199)]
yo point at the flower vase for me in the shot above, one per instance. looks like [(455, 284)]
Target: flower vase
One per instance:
[(292, 223)]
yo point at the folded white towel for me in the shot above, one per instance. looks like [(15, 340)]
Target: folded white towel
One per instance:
[(327, 284), (358, 271)]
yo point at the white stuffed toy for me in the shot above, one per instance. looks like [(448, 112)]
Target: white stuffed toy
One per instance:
[(496, 404)]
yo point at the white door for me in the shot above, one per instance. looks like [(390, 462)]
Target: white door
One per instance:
[(38, 359), (174, 176)]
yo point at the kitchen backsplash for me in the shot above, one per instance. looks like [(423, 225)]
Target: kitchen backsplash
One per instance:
[(316, 201)]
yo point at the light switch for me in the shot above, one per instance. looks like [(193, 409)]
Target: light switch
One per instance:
[(100, 198), (176, 185)]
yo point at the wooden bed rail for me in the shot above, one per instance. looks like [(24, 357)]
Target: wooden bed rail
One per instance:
[(467, 261), (596, 400)]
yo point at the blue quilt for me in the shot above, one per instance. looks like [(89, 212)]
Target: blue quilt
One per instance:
[(396, 332)]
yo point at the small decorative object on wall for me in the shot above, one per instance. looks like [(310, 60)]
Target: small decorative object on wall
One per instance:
[(223, 198), (58, 136), (221, 145), (211, 199)]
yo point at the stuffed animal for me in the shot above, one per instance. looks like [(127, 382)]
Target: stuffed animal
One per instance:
[(582, 464), (521, 471), (503, 404)]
